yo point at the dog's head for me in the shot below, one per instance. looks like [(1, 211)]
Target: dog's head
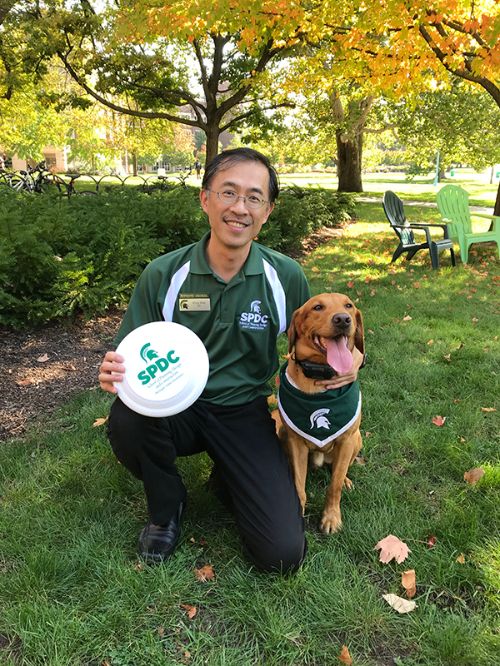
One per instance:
[(325, 330)]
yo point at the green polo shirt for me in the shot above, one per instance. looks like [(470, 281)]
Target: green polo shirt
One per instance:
[(238, 321)]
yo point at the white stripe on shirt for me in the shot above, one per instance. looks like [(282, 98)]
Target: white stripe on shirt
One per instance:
[(278, 293), (173, 291)]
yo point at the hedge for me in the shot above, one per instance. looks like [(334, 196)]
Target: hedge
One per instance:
[(59, 256)]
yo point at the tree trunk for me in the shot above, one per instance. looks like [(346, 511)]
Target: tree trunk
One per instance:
[(349, 155), (134, 163), (496, 210), (212, 134)]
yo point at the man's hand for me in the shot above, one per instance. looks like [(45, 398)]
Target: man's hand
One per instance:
[(342, 380), (111, 370)]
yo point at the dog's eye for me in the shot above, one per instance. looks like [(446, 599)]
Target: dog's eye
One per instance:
[(318, 307), (348, 305)]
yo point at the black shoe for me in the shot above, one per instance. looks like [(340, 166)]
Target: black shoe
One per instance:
[(158, 542)]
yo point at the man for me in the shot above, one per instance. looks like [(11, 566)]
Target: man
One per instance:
[(226, 276)]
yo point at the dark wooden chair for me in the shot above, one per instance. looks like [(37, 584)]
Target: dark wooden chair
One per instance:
[(408, 243)]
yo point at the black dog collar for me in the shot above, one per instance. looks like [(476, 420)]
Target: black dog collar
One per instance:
[(316, 370)]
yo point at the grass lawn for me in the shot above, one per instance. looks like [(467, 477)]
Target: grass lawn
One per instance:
[(421, 188), (73, 592)]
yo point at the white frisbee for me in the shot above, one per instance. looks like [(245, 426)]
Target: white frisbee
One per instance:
[(166, 369)]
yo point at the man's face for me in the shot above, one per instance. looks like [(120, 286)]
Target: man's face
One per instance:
[(235, 225)]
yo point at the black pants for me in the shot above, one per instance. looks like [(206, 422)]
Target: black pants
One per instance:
[(241, 441)]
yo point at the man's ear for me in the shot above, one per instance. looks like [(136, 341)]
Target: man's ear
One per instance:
[(204, 200), (271, 208)]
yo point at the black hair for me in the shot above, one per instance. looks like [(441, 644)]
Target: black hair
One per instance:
[(228, 157)]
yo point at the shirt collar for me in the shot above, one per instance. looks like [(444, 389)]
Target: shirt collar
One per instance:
[(199, 265)]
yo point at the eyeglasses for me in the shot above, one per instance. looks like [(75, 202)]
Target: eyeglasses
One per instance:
[(230, 197)]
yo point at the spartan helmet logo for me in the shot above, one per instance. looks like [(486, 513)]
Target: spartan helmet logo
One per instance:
[(148, 354), (319, 420), (255, 306)]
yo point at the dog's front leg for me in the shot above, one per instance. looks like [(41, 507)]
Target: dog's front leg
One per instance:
[(342, 456), (298, 455)]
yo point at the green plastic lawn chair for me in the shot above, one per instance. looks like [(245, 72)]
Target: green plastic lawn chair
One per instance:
[(453, 205)]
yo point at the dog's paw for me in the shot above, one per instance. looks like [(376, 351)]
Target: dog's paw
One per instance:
[(348, 484), (331, 522)]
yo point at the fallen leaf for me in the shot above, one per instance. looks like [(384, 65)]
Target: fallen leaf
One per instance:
[(99, 422), (431, 541), (69, 367), (160, 631), (488, 409), (447, 357), (315, 269), (205, 573), (460, 559), (439, 420), (190, 610), (475, 320), (350, 284), (24, 382), (473, 475), (392, 548), (430, 342), (399, 604), (43, 358), (139, 566), (407, 318), (416, 285), (360, 460), (345, 656), (409, 582)]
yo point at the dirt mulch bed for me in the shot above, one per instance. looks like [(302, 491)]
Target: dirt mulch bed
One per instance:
[(42, 369)]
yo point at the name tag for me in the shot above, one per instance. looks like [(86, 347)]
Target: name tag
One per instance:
[(194, 304)]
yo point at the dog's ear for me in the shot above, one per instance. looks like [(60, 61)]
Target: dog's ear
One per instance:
[(292, 332), (359, 334)]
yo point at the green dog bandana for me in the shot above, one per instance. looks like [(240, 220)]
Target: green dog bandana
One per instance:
[(319, 417)]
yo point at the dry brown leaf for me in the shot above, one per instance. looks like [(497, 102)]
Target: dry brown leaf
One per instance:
[(392, 548), (205, 573), (473, 475), (399, 604), (431, 541), (350, 284), (315, 269), (409, 582), (24, 382), (447, 357), (160, 631), (430, 342), (190, 610), (488, 409), (439, 420), (360, 460), (99, 422), (460, 559), (407, 318), (43, 359), (345, 656)]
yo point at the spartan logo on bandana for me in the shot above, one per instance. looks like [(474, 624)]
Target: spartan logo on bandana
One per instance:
[(318, 419), (254, 319)]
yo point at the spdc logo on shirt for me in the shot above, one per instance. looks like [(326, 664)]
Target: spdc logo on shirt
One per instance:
[(254, 319)]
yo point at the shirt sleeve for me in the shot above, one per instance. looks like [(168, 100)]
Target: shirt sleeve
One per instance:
[(145, 303)]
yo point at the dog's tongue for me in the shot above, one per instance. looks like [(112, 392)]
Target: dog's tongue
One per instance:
[(338, 355)]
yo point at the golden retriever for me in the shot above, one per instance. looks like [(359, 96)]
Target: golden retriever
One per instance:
[(322, 335)]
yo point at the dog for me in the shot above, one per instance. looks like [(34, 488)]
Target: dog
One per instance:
[(321, 337)]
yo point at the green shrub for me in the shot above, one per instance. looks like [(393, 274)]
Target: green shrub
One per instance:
[(300, 211), (59, 256)]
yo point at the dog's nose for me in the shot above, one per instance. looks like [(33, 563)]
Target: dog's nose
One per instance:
[(341, 320)]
